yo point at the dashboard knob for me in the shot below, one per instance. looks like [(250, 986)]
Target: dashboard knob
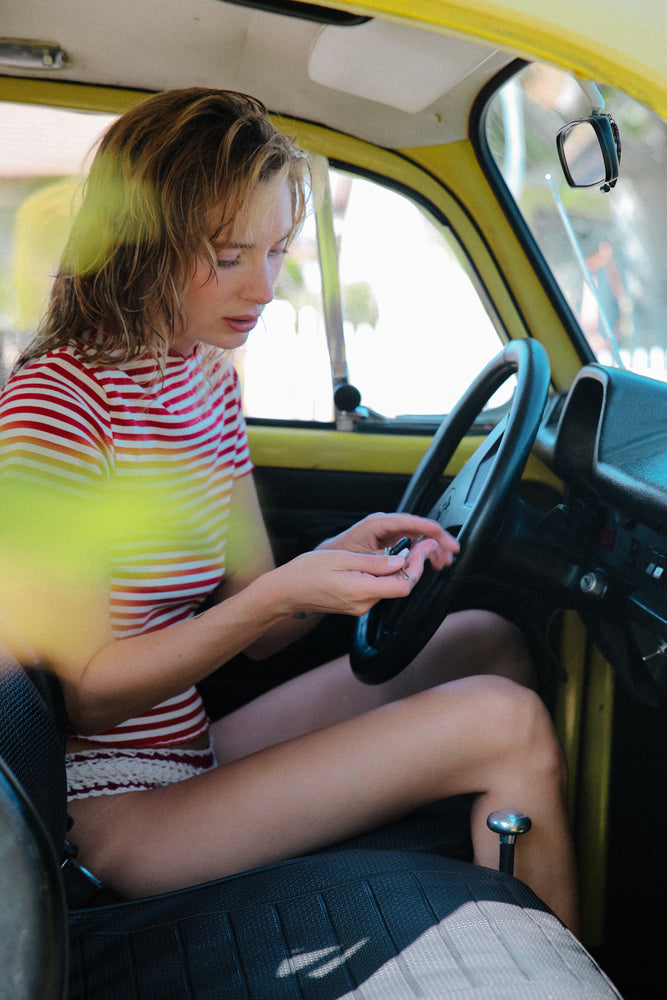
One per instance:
[(593, 583)]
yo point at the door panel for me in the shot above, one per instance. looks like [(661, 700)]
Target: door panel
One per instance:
[(313, 483)]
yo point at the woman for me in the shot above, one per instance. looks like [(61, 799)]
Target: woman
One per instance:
[(123, 452)]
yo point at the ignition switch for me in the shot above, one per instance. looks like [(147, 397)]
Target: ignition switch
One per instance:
[(593, 583)]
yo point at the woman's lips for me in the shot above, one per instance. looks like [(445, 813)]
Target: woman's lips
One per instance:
[(241, 324)]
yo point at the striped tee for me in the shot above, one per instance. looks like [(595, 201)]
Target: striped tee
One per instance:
[(154, 458)]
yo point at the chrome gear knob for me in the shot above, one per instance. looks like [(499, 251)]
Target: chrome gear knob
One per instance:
[(508, 825)]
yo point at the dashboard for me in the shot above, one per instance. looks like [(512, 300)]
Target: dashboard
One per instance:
[(603, 550)]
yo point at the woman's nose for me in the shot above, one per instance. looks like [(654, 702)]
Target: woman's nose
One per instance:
[(259, 287)]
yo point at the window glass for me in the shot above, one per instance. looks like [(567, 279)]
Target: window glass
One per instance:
[(416, 330), (41, 161), (284, 366), (605, 249)]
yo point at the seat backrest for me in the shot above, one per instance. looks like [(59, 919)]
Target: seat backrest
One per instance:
[(32, 732), (33, 913), (33, 818)]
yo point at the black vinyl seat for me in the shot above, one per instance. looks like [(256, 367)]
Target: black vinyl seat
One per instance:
[(356, 923), (366, 924), (33, 915)]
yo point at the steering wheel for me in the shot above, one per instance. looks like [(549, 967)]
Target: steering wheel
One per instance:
[(472, 507)]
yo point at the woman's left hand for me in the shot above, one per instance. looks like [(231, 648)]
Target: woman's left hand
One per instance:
[(378, 532)]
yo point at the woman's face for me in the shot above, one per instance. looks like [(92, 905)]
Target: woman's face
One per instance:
[(223, 309)]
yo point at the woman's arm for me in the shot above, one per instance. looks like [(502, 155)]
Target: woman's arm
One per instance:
[(62, 605), (123, 678), (250, 555)]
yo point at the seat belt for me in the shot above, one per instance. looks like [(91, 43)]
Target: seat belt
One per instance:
[(82, 888)]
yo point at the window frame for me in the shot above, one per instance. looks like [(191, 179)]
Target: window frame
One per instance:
[(515, 217)]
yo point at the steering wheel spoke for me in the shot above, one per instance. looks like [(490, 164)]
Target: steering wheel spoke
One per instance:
[(457, 503), (471, 507)]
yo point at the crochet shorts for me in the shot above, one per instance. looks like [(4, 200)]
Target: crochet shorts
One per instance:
[(112, 771)]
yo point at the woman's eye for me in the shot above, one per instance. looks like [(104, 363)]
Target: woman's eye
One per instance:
[(227, 262)]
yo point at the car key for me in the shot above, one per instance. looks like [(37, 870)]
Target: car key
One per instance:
[(398, 547)]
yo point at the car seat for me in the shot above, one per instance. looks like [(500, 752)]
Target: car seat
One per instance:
[(33, 916), (361, 922)]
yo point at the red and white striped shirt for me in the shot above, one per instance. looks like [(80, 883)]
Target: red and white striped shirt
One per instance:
[(155, 457)]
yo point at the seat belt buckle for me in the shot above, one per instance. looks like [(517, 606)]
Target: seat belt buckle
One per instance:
[(81, 886)]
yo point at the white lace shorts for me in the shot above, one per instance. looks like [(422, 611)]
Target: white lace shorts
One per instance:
[(112, 771)]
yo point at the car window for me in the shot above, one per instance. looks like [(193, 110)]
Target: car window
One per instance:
[(284, 366), (416, 329), (39, 181), (605, 249), (412, 328)]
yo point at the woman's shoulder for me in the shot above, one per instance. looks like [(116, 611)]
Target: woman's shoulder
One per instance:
[(67, 372), (54, 424), (58, 379), (66, 366)]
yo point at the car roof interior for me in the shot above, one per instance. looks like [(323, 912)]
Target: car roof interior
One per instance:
[(365, 78)]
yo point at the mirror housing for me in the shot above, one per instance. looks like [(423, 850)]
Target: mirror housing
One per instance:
[(589, 151)]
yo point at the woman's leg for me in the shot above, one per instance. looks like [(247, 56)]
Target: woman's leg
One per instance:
[(468, 642), (485, 735)]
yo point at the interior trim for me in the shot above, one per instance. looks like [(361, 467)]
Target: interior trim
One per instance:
[(304, 11)]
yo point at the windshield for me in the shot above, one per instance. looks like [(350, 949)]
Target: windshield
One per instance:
[(605, 249)]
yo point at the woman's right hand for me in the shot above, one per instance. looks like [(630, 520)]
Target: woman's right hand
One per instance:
[(342, 582)]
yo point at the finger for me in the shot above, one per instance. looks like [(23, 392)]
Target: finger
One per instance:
[(396, 584), (438, 556), (385, 565), (414, 565), (424, 527), (390, 531)]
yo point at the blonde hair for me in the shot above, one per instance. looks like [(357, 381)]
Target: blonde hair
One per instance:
[(160, 171)]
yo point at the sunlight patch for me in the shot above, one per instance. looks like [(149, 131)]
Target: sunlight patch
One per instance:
[(319, 963)]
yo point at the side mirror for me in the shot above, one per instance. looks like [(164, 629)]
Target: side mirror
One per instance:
[(590, 152)]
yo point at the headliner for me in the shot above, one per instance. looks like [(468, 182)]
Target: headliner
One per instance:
[(389, 83)]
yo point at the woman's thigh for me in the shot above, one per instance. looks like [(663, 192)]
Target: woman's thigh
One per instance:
[(306, 793), (468, 642)]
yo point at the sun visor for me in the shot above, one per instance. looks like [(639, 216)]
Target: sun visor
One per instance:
[(403, 67)]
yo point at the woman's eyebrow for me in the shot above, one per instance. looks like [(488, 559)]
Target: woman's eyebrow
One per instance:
[(248, 246)]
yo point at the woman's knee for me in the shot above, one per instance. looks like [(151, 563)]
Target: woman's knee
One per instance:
[(490, 644), (516, 726)]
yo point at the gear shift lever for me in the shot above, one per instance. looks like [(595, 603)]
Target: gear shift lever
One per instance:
[(508, 825)]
